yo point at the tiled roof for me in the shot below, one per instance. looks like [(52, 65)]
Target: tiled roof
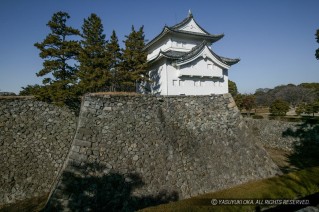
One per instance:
[(186, 21), (193, 52), (175, 30), (212, 37), (225, 60), (229, 61), (173, 54), (183, 22), (184, 56)]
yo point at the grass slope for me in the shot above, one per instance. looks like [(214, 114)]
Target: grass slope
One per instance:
[(33, 204), (289, 186)]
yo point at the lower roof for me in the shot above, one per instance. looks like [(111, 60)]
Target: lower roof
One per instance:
[(182, 57)]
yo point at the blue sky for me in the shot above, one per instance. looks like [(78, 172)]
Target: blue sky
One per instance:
[(275, 40)]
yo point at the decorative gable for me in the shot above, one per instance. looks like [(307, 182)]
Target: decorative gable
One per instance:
[(192, 26)]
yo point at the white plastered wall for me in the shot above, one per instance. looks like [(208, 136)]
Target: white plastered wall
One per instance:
[(195, 84)]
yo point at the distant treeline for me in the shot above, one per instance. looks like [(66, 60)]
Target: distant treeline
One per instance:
[(293, 94), (303, 97)]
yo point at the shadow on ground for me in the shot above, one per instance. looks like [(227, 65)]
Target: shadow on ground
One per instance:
[(306, 152), (88, 188)]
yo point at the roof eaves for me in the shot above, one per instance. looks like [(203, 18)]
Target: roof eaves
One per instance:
[(155, 59), (168, 55), (229, 61), (161, 34), (225, 60), (211, 37), (174, 54)]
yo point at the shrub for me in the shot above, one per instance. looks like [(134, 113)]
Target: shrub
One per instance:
[(279, 108)]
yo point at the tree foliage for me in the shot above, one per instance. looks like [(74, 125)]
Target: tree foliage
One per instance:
[(301, 108), (94, 74), (294, 95), (132, 69), (30, 90), (232, 87), (115, 57), (263, 98), (290, 93), (311, 108), (58, 52), (317, 38), (314, 86), (72, 68), (279, 107), (245, 101)]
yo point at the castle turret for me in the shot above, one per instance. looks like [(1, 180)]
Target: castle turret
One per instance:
[(182, 62)]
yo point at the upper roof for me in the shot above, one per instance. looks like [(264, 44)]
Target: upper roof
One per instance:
[(184, 57), (188, 27), (187, 20)]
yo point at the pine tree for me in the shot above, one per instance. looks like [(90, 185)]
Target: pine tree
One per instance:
[(115, 57), (317, 50), (58, 53), (94, 74), (133, 65), (232, 88)]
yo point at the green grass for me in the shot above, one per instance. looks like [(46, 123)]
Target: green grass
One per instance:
[(289, 186)]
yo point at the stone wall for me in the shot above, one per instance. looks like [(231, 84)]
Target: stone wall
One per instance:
[(127, 150), (35, 139), (138, 149), (273, 133)]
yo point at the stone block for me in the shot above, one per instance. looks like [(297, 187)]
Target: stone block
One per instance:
[(82, 143), (107, 108), (135, 158), (76, 148), (227, 95), (231, 105), (77, 156)]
